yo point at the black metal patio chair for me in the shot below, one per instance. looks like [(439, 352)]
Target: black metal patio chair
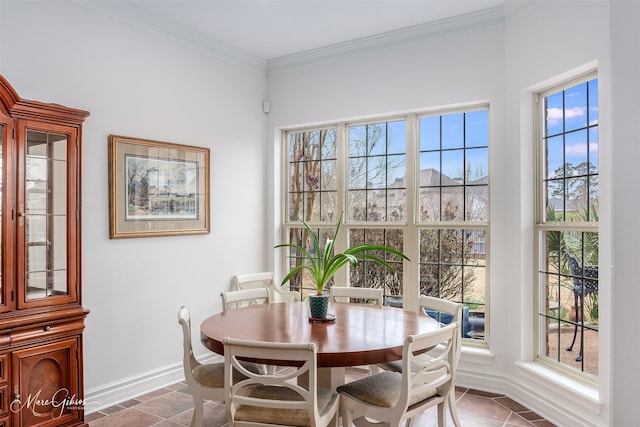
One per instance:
[(585, 282)]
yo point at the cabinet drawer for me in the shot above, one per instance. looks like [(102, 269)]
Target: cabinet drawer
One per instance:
[(46, 330)]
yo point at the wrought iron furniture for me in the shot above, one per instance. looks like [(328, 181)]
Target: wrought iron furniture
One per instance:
[(585, 282)]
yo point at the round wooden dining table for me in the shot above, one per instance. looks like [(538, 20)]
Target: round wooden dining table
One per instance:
[(362, 334)]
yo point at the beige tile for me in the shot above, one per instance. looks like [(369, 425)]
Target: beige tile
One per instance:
[(154, 394), (214, 415), (127, 418), (172, 406), (511, 404), (516, 420), (482, 407), (94, 416), (168, 423), (112, 409), (167, 405)]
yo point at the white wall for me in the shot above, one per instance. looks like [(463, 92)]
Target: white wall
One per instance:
[(501, 65), (625, 141), (545, 44), (139, 84)]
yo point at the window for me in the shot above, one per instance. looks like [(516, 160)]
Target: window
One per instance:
[(453, 190), (377, 169), (567, 226), (418, 183)]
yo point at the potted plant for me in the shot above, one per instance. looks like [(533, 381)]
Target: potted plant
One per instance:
[(327, 263)]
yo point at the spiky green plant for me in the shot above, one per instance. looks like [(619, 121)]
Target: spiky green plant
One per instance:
[(327, 263)]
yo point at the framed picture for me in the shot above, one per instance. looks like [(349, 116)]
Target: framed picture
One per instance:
[(157, 188)]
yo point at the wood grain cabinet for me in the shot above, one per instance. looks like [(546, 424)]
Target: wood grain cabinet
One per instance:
[(41, 315)]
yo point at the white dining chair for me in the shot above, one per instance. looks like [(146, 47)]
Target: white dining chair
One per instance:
[(245, 298), (439, 308), (263, 280), (396, 397), (288, 397), (205, 381), (357, 294)]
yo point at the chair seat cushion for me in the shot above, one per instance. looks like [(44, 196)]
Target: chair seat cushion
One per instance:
[(292, 417), (395, 366), (210, 374), (382, 390)]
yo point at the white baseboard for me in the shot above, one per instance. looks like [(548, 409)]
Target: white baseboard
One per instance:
[(556, 408), (112, 394)]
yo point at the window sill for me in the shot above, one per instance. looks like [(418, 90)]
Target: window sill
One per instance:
[(581, 393), (476, 355)]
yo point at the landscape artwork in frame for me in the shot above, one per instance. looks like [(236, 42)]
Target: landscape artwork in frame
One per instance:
[(157, 188)]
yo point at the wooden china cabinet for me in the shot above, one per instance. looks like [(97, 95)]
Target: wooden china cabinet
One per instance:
[(41, 316)]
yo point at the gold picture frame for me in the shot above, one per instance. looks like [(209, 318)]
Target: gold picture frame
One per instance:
[(157, 188)]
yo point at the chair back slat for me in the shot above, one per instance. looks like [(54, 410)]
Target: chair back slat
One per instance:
[(357, 294), (245, 298), (287, 396), (264, 280)]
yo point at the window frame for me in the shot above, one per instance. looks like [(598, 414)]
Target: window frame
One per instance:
[(542, 226), (412, 226)]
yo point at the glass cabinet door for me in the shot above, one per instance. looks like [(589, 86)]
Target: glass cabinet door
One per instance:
[(43, 217)]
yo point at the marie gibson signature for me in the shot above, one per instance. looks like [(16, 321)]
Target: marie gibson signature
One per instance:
[(62, 401)]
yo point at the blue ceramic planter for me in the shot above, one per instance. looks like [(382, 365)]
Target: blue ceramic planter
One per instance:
[(318, 306)]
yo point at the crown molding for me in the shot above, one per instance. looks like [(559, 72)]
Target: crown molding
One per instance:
[(129, 13), (454, 25), (513, 8)]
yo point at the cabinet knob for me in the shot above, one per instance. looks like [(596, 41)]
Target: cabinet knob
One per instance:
[(47, 328)]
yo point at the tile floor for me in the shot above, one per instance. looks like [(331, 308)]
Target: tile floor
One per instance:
[(172, 407)]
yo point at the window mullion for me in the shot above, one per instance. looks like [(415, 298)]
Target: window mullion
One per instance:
[(342, 241), (411, 243)]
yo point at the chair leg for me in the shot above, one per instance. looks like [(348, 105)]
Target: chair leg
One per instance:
[(196, 419), (575, 328), (335, 420), (579, 358), (374, 369), (442, 415), (347, 417), (453, 409)]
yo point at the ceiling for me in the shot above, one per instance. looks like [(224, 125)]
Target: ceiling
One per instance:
[(269, 29)]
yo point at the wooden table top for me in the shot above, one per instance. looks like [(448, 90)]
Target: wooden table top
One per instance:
[(362, 334)]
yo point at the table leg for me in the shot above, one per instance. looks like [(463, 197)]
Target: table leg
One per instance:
[(329, 378)]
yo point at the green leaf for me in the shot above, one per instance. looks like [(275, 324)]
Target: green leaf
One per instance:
[(327, 264)]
